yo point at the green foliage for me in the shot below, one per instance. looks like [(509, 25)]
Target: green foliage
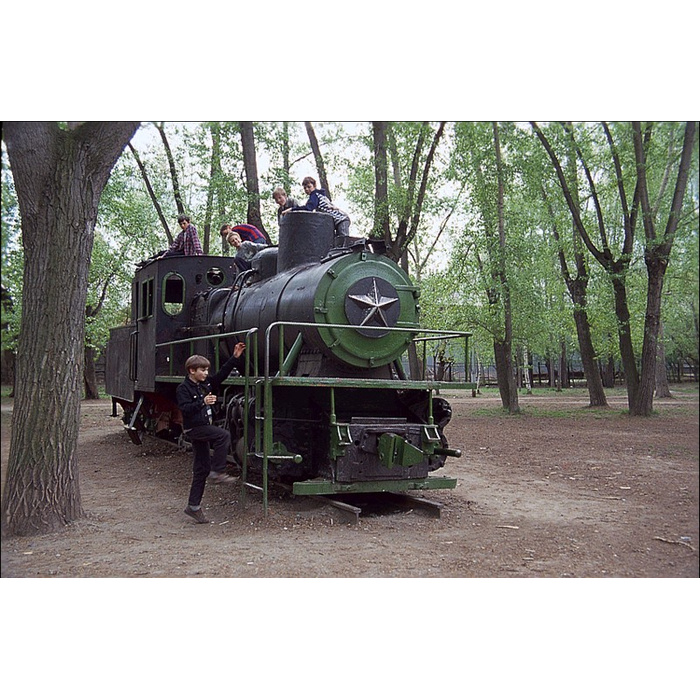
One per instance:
[(542, 308), (12, 260), (108, 300), (403, 155), (682, 291), (452, 256)]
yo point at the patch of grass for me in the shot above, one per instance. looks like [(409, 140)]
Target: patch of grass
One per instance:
[(685, 389), (579, 412), (546, 412)]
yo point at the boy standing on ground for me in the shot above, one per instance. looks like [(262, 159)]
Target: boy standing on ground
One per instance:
[(195, 398)]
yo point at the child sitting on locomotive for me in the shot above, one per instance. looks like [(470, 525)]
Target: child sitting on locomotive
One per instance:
[(318, 201), (195, 398)]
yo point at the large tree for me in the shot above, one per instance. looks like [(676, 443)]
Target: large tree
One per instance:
[(489, 239), (250, 163), (657, 251), (408, 201), (657, 248), (503, 346), (59, 173), (575, 273)]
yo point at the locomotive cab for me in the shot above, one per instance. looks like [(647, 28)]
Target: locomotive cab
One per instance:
[(163, 293)]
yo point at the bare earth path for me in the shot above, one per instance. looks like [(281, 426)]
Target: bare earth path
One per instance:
[(561, 491)]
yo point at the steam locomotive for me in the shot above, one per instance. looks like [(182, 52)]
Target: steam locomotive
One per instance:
[(324, 404)]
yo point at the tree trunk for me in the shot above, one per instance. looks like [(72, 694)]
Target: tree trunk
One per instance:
[(7, 366), (417, 209), (608, 373), (214, 175), (152, 194), (405, 212), (220, 196), (381, 190), (505, 376), (318, 158), (251, 178), (527, 377), (89, 374), (552, 368), (643, 405), (173, 171), (59, 176), (556, 363), (629, 362), (409, 218), (509, 389), (663, 390), (563, 369), (594, 382), (416, 366), (286, 164)]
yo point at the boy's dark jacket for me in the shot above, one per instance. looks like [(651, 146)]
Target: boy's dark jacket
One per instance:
[(318, 201), (190, 395)]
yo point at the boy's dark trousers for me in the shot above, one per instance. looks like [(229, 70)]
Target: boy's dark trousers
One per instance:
[(201, 436)]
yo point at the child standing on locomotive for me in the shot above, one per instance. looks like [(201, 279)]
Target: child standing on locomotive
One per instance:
[(195, 398), (318, 201), (187, 242)]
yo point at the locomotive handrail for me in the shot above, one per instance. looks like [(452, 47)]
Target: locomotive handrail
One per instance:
[(213, 336), (442, 335), (284, 364), (220, 336)]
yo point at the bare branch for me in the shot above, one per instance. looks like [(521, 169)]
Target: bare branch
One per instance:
[(151, 193)]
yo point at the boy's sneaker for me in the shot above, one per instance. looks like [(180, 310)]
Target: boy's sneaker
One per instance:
[(198, 514), (221, 478)]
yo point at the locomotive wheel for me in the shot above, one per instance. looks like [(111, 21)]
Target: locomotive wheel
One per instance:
[(239, 452)]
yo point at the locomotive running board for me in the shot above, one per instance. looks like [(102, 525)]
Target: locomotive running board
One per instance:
[(325, 487)]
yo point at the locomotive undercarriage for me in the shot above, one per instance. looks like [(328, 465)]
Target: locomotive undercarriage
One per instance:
[(345, 435), (323, 440), (152, 414)]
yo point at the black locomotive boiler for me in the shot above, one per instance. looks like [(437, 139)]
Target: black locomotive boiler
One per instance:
[(325, 403)]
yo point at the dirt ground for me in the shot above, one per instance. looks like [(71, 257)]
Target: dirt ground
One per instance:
[(560, 491)]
